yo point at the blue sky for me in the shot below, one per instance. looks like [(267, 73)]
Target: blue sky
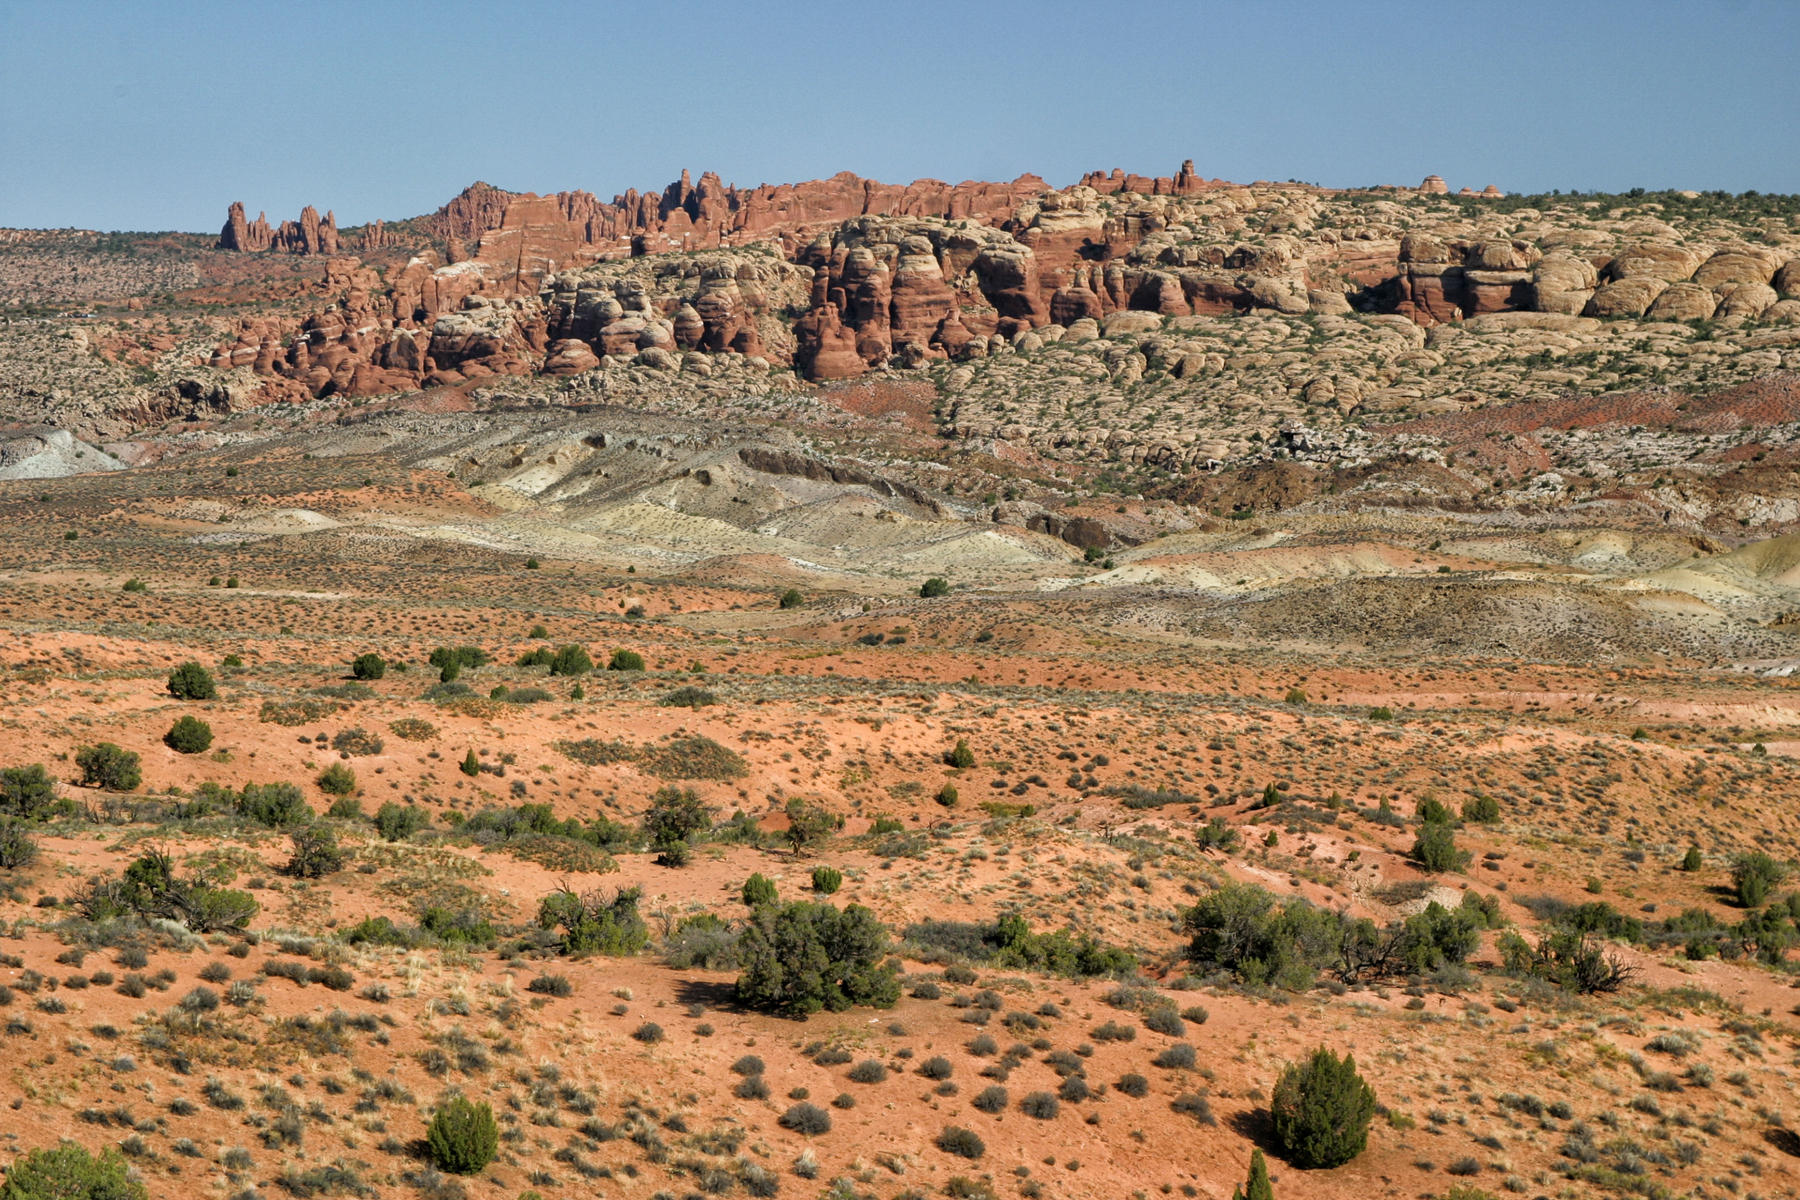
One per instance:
[(157, 115)]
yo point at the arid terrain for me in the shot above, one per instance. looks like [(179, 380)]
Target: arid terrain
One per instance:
[(1322, 617)]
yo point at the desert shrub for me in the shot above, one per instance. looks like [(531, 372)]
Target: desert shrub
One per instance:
[(1009, 942), (800, 957), (1193, 1104), (1481, 810), (1165, 1020), (1241, 929), (336, 780), (649, 1033), (1321, 1110), (1567, 958), (869, 1070), (625, 660), (110, 767), (693, 757), (688, 696), (792, 598), (191, 681), (462, 1136), (948, 796), (595, 923), (1217, 835), (316, 852), (1133, 1085), (397, 822), (68, 1172), (809, 824), (571, 660), (751, 1087), (27, 792), (188, 735), (704, 941), (1438, 936), (749, 1064), (412, 729), (1435, 850), (964, 1143), (990, 1100), (759, 890), (368, 666), (17, 848), (1754, 877), (934, 587), (274, 804), (827, 880), (805, 1118), (675, 815), (1257, 1185), (357, 742), (960, 755), (1041, 1105), (294, 713), (1179, 1057)]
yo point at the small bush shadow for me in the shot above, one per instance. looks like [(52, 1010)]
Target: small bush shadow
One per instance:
[(710, 992)]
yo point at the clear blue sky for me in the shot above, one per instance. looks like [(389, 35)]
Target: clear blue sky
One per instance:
[(155, 115)]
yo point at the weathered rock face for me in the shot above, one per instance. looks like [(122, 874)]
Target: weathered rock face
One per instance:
[(308, 235), (840, 276)]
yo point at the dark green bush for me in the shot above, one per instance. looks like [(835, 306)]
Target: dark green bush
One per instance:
[(800, 957), (191, 681), (1481, 810), (676, 815), (1435, 848), (1568, 958), (688, 696), (759, 890), (792, 598), (27, 792), (368, 666), (17, 849), (110, 767), (827, 880), (960, 755), (625, 660), (1754, 876), (933, 587), (1321, 1110), (188, 735), (274, 804), (571, 660), (316, 852), (809, 824), (462, 1136), (68, 1172), (337, 780), (397, 822), (1241, 929), (595, 923)]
